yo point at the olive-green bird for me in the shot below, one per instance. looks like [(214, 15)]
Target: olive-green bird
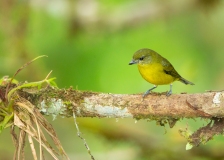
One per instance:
[(156, 69)]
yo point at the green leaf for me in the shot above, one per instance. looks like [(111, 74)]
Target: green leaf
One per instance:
[(4, 123), (189, 146)]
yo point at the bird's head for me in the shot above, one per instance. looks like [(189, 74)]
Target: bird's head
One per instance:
[(143, 56)]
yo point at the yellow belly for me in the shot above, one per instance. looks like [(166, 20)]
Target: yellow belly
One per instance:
[(154, 73)]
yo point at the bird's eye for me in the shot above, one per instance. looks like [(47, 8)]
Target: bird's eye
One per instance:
[(141, 58)]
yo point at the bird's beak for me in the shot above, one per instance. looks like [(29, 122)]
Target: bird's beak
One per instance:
[(133, 62)]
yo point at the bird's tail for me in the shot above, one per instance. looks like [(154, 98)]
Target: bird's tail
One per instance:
[(185, 81)]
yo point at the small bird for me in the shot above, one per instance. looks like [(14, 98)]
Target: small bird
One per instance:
[(156, 69)]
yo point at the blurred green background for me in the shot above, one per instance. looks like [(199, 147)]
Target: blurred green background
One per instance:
[(89, 44)]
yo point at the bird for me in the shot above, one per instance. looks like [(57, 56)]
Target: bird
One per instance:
[(156, 69)]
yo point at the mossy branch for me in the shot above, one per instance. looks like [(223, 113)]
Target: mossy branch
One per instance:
[(93, 104), (158, 107), (49, 100)]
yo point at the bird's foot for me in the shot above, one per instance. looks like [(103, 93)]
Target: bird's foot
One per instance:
[(146, 93), (169, 93)]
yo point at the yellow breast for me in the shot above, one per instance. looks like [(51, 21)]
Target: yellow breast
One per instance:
[(154, 73)]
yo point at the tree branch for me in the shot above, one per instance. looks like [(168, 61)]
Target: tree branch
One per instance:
[(156, 107), (92, 104), (29, 100)]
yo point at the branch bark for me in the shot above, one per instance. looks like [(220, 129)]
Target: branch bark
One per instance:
[(158, 107), (92, 104)]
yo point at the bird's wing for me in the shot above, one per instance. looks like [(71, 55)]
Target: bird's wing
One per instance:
[(169, 69)]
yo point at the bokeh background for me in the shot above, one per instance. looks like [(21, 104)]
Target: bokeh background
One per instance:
[(89, 44)]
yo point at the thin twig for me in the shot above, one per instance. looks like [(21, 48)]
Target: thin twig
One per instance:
[(32, 145), (79, 135), (15, 140), (21, 145), (21, 68), (214, 90), (20, 125), (39, 138)]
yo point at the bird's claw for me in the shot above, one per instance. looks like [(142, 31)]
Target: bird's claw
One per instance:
[(169, 93)]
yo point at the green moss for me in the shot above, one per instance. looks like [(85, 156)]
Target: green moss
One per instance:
[(159, 121)]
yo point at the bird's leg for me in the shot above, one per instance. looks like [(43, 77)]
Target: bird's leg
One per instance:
[(170, 91), (147, 92)]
